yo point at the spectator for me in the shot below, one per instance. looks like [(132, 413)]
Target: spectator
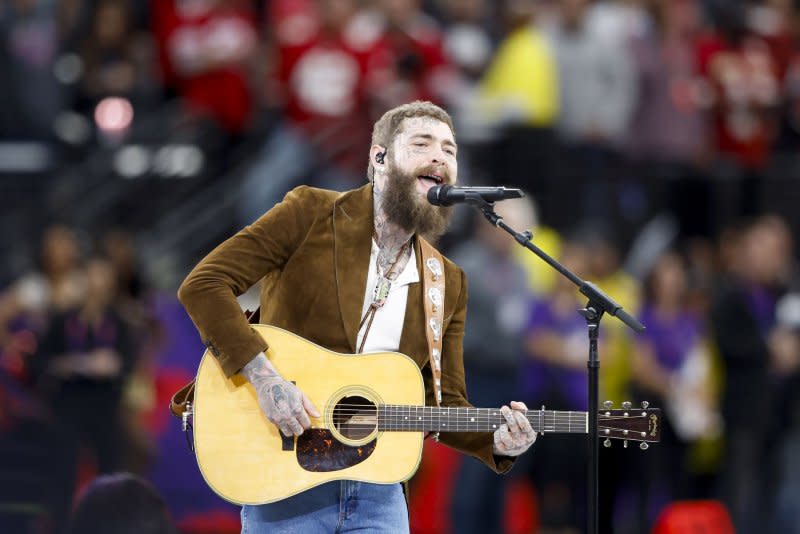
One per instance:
[(205, 47), (29, 45), (672, 367), (120, 248), (744, 79), (26, 306), (789, 139), (81, 365), (555, 375), (116, 59), (121, 504), (597, 95), (603, 268), (744, 328), (518, 99), (416, 67), (667, 122), (468, 36), (785, 370), (328, 58), (596, 74)]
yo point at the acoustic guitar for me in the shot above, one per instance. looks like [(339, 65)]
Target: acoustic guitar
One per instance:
[(372, 427)]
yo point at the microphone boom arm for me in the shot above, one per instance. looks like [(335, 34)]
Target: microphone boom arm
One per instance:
[(597, 297)]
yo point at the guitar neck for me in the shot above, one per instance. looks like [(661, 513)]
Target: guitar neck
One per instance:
[(463, 419)]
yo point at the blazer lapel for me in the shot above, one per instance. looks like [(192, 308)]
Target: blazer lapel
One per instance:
[(352, 242)]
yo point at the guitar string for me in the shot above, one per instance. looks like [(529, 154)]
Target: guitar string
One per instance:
[(464, 411), (415, 424), (485, 418), (466, 420), (362, 426), (385, 407), (460, 409), (437, 418), (417, 421), (397, 417), (633, 436)]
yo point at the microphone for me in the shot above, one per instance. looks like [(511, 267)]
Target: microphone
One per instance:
[(447, 195)]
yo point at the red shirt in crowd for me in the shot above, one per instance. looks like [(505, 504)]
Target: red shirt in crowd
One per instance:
[(335, 82), (203, 47), (746, 89), (322, 78)]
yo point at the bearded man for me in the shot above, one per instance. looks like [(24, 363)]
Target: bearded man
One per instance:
[(343, 270)]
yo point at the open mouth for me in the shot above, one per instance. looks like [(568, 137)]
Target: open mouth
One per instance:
[(429, 180)]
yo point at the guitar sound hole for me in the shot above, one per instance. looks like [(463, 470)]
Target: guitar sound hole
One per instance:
[(355, 417)]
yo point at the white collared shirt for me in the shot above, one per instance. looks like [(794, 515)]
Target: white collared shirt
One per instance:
[(387, 326)]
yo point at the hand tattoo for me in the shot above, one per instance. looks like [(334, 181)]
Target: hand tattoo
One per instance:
[(281, 401), (516, 435)]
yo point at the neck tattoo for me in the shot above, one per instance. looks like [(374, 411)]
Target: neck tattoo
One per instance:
[(386, 276)]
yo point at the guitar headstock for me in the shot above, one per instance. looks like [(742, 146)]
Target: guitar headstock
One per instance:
[(641, 424)]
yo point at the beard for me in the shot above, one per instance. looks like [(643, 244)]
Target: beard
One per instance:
[(405, 207)]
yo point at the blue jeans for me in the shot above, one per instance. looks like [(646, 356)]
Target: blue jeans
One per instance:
[(342, 506)]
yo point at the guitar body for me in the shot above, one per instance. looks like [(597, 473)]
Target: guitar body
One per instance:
[(244, 458)]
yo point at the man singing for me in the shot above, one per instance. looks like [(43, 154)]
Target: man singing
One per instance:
[(343, 270)]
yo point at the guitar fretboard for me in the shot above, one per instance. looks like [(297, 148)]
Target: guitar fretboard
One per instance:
[(462, 419)]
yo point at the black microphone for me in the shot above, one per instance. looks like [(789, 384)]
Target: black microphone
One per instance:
[(447, 195)]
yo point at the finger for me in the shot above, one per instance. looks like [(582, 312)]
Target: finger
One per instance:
[(302, 417), (516, 405), (500, 433), (285, 430), (295, 427), (505, 437), (499, 443), (522, 422), (513, 425), (310, 408)]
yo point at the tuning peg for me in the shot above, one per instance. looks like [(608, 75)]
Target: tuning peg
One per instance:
[(608, 404), (607, 443), (625, 443), (627, 405), (644, 446), (645, 404)]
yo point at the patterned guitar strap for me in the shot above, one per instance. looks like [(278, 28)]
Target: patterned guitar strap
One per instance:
[(433, 303)]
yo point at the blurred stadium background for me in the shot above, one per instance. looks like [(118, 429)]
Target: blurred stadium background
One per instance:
[(657, 139)]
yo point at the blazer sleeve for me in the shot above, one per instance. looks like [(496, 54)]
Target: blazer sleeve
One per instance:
[(209, 291), (454, 391)]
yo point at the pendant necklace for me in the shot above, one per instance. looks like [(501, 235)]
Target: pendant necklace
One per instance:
[(381, 292)]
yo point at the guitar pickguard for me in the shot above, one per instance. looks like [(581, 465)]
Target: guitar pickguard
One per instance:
[(320, 452)]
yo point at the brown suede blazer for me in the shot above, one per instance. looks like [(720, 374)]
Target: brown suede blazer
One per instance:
[(312, 252)]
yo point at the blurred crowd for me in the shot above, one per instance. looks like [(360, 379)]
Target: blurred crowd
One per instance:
[(657, 140)]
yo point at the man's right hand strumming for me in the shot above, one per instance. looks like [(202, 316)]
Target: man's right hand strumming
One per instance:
[(281, 401)]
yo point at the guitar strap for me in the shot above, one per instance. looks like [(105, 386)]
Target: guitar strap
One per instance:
[(433, 304)]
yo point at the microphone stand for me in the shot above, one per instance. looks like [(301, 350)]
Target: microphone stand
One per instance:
[(598, 304)]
